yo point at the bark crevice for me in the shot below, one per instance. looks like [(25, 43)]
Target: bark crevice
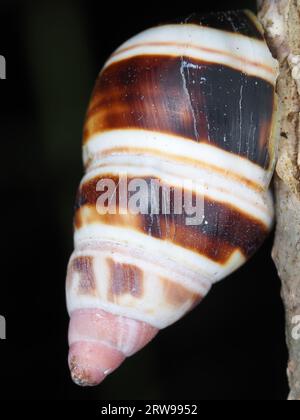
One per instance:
[(281, 22)]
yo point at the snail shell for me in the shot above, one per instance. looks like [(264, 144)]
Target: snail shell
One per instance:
[(187, 101)]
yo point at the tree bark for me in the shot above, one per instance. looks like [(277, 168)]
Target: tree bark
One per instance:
[(281, 22)]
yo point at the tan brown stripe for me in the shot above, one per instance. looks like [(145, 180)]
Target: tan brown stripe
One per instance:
[(196, 47), (124, 279), (225, 229), (162, 228), (143, 152), (177, 295), (204, 102), (84, 266)]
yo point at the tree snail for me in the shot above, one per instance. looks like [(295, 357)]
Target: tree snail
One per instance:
[(179, 147)]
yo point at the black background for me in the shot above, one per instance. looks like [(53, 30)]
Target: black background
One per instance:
[(231, 347)]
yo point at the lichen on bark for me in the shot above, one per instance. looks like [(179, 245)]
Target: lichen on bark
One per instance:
[(281, 22)]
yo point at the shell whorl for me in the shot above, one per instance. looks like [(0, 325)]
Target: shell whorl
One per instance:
[(189, 101)]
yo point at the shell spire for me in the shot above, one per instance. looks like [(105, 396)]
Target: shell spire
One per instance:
[(179, 148)]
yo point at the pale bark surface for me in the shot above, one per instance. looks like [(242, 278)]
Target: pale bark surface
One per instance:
[(281, 21)]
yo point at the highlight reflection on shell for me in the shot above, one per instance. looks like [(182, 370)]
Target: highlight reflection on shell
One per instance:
[(189, 101)]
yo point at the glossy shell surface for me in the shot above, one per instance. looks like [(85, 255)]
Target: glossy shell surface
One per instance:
[(192, 100)]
